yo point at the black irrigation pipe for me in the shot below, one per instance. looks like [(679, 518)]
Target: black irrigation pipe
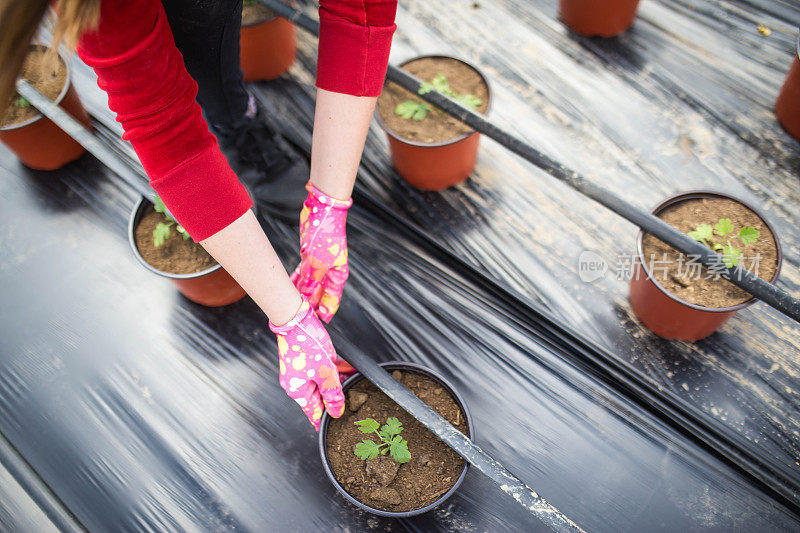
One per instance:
[(761, 289), (134, 177), (508, 483)]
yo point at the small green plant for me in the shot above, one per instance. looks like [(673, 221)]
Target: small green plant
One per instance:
[(719, 237), (391, 441), (414, 110), (162, 231), (250, 2), (21, 101)]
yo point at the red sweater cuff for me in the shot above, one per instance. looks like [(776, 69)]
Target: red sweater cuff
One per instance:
[(203, 193), (352, 58)]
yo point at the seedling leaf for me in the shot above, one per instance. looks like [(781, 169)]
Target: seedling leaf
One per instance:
[(749, 235), (367, 425), (391, 441), (731, 255), (392, 427), (367, 449), (440, 84), (160, 234), (425, 88), (399, 450), (469, 100), (702, 232), (412, 110), (21, 101), (723, 227)]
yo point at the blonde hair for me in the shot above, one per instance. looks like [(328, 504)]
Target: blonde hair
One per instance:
[(19, 22)]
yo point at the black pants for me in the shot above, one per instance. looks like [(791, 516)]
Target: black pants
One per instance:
[(207, 34)]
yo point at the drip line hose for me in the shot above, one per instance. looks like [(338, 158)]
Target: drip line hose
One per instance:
[(508, 483), (133, 176), (761, 289)]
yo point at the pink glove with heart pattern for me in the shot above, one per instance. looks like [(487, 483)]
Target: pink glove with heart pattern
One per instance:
[(307, 364), (323, 268)]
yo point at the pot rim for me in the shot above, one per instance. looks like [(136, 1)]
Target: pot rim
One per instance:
[(57, 101), (322, 440), (254, 24), (454, 140), (134, 220), (691, 195), (136, 215)]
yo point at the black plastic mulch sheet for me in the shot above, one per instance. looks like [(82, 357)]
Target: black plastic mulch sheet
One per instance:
[(124, 406)]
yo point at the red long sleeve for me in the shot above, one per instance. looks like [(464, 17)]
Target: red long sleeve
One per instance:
[(355, 37), (138, 65)]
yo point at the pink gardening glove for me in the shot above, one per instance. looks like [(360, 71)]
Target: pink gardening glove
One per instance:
[(323, 269), (308, 373)]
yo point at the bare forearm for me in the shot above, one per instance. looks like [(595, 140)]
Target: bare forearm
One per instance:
[(341, 122), (245, 252)]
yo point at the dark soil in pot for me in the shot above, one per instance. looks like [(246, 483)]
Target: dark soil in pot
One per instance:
[(255, 13), (691, 283), (435, 127), (177, 255), (382, 483), (47, 72)]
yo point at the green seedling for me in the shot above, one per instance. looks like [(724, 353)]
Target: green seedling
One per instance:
[(411, 109), (163, 231), (719, 237), (21, 101), (391, 441), (250, 2)]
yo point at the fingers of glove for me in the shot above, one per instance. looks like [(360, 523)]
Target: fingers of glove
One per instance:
[(331, 294), (344, 368), (306, 394), (330, 388)]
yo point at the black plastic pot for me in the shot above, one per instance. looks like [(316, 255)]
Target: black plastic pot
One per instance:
[(323, 434), (212, 287)]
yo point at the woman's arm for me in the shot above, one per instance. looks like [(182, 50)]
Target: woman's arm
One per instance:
[(341, 123), (354, 43), (245, 252)]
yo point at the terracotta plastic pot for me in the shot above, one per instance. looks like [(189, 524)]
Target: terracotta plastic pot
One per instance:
[(603, 18), (42, 145), (664, 313), (323, 439), (787, 106), (267, 49), (435, 166), (212, 287)]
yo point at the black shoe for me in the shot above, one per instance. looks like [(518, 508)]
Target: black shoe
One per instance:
[(266, 163)]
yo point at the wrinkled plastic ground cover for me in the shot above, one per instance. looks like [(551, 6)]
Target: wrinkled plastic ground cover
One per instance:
[(171, 417)]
